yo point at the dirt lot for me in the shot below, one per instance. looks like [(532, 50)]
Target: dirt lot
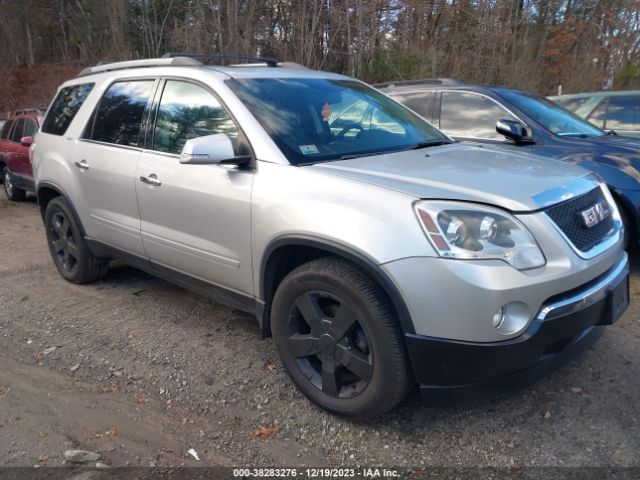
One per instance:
[(142, 371)]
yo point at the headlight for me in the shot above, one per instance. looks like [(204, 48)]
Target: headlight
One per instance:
[(468, 231)]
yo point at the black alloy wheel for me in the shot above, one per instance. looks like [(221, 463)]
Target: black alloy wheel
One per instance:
[(63, 243), (67, 245), (330, 344), (338, 337)]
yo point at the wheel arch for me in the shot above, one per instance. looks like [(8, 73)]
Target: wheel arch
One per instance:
[(628, 209), (47, 191), (284, 254)]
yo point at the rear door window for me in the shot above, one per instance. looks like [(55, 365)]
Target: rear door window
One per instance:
[(623, 113), (30, 128), (6, 128), (64, 108), (419, 102), (469, 115), (17, 132), (119, 115)]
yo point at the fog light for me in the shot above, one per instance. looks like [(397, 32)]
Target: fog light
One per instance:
[(498, 317), (511, 318)]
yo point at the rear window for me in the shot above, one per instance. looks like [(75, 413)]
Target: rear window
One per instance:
[(64, 108)]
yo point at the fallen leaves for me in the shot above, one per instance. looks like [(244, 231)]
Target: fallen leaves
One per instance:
[(141, 399), (264, 431), (270, 367)]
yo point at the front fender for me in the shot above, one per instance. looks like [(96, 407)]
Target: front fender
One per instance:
[(619, 172)]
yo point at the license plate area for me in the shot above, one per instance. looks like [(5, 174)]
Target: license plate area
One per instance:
[(617, 302)]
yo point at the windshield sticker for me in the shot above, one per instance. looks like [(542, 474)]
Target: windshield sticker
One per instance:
[(326, 111), (309, 149)]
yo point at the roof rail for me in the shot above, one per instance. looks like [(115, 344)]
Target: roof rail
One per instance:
[(271, 62), (25, 111), (150, 62), (425, 81)]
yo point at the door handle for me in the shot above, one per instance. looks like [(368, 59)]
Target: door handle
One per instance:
[(151, 179), (82, 165)]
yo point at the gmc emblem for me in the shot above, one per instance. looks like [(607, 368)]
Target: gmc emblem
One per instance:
[(594, 215)]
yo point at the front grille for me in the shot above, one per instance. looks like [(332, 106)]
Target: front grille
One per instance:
[(568, 218)]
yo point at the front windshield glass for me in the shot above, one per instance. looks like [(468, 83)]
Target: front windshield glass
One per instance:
[(551, 116), (316, 120)]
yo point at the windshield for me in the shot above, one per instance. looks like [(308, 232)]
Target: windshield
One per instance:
[(551, 116), (317, 120)]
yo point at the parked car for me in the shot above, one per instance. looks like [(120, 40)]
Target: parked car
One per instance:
[(16, 137), (378, 253), (618, 111), (501, 116)]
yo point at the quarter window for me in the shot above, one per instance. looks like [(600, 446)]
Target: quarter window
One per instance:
[(64, 108), (5, 129), (188, 111), (119, 115), (17, 132), (470, 115)]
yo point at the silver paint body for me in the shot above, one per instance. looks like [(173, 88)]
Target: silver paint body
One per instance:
[(216, 222)]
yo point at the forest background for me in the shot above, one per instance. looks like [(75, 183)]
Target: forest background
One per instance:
[(535, 45)]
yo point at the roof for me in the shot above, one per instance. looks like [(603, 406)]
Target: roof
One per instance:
[(258, 67), (401, 85), (418, 85), (603, 93)]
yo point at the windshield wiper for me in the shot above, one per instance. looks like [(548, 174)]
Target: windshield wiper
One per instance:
[(358, 155), (430, 143), (575, 135)]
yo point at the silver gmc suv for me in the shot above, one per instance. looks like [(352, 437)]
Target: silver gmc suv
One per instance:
[(377, 252)]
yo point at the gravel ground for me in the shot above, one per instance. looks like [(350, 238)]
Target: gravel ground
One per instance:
[(141, 371)]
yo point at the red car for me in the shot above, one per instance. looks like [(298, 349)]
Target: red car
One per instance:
[(15, 139)]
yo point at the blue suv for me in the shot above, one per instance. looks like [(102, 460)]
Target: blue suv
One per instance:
[(521, 120)]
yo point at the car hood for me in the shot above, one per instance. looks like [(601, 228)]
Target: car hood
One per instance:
[(615, 158), (515, 181), (609, 143)]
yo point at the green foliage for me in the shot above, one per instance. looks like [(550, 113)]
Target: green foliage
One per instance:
[(628, 77)]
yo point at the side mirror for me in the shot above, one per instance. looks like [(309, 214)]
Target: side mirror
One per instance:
[(514, 130), (214, 149), (26, 141)]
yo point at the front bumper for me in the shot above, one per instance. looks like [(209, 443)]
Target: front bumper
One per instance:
[(452, 370)]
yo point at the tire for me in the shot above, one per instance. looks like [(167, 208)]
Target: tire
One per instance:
[(628, 228), (13, 193), (67, 245), (338, 337)]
